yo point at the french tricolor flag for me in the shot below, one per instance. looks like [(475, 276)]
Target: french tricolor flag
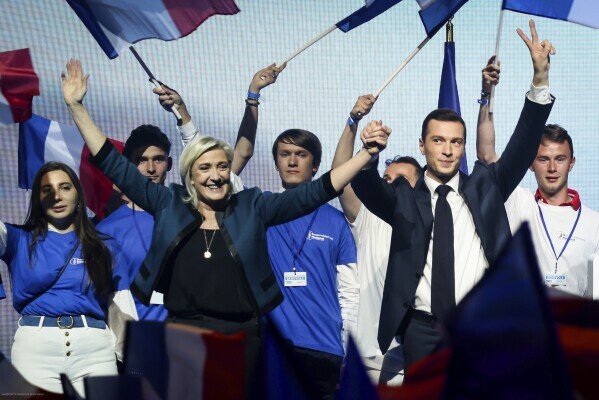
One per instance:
[(116, 24), (18, 85), (42, 140), (583, 12)]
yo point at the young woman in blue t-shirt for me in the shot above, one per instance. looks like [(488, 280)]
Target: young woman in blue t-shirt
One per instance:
[(65, 277)]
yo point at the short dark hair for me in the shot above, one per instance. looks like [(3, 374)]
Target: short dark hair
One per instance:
[(301, 138), (442, 114), (406, 160), (555, 133), (146, 136)]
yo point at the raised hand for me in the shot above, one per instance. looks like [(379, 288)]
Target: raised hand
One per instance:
[(375, 136), (265, 77), (74, 83), (490, 75), (362, 106), (539, 52), (168, 97)]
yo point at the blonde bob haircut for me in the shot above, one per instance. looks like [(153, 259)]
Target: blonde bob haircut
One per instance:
[(194, 150)]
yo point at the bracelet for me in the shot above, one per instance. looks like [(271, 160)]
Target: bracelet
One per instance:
[(351, 121), (252, 102), (483, 101), (356, 118), (253, 96), (485, 94)]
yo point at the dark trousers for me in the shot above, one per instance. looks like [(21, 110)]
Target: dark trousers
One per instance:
[(419, 336), (321, 369)]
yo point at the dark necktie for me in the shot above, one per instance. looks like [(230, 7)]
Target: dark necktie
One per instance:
[(443, 278)]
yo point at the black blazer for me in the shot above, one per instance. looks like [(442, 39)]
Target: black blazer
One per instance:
[(409, 212)]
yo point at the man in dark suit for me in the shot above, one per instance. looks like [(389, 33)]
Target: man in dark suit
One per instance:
[(450, 226)]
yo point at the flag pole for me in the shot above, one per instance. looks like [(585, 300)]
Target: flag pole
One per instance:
[(496, 62), (152, 78), (310, 43), (402, 66)]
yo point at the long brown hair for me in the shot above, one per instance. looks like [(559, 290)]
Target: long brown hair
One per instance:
[(97, 257)]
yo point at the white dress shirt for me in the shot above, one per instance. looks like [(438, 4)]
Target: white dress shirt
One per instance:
[(470, 260)]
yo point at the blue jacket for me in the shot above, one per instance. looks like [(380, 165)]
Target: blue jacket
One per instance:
[(243, 224)]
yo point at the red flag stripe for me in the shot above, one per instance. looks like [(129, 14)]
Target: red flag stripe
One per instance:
[(189, 14), (18, 82)]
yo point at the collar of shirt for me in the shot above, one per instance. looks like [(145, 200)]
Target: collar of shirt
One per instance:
[(432, 184), (572, 194)]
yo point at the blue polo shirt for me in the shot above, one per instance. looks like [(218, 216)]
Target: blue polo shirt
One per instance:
[(132, 229), (310, 316), (72, 294)]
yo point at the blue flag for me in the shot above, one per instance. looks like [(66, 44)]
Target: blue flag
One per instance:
[(355, 383), (372, 9), (448, 91), (435, 13), (504, 339), (583, 12)]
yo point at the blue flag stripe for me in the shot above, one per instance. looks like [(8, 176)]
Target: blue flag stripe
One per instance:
[(438, 13), (448, 90), (365, 14), (91, 23), (32, 139)]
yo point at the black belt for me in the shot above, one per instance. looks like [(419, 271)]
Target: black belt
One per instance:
[(423, 316), (225, 316)]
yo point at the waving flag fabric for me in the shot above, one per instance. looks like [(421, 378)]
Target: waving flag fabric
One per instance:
[(116, 24), (372, 9), (448, 91), (355, 383), (583, 12), (186, 362), (435, 13), (42, 140), (18, 85)]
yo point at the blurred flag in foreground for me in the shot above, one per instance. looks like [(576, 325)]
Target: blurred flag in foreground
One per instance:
[(18, 85), (116, 24)]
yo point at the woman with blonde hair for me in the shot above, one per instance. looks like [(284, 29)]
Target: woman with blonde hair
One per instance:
[(208, 253)]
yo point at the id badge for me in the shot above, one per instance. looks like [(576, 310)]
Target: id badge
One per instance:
[(555, 280), (295, 279)]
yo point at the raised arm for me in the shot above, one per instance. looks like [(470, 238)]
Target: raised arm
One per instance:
[(485, 129), (524, 142), (345, 148), (246, 136), (125, 175), (74, 88)]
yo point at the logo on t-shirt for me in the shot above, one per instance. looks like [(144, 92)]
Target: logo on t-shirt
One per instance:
[(76, 261), (318, 236), (564, 236)]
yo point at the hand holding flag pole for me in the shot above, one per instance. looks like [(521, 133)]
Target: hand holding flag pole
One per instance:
[(153, 79)]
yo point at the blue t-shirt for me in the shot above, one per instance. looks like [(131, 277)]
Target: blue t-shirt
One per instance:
[(310, 316), (132, 229), (70, 295)]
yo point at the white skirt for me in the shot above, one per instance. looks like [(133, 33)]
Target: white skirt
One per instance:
[(41, 354)]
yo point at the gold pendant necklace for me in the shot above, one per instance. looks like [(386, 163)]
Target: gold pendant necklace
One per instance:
[(207, 253)]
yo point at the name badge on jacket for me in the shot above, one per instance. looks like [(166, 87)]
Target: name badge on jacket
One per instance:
[(295, 279)]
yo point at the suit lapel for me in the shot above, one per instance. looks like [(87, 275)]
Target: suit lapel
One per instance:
[(423, 202)]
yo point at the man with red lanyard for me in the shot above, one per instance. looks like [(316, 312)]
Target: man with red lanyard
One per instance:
[(565, 232)]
